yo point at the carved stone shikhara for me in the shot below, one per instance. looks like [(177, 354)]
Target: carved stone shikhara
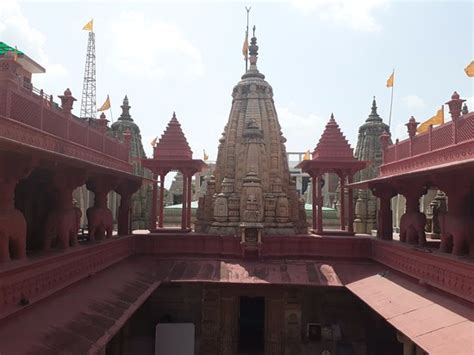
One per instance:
[(251, 182)]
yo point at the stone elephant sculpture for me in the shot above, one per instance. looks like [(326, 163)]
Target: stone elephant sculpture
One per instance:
[(457, 234), (12, 235), (412, 228), (61, 226), (99, 223)]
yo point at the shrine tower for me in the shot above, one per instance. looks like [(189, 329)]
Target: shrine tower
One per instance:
[(369, 149), (251, 186)]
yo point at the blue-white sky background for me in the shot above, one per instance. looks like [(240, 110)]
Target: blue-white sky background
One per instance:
[(320, 57)]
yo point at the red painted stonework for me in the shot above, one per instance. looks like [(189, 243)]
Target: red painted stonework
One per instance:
[(332, 154), (172, 153), (442, 158)]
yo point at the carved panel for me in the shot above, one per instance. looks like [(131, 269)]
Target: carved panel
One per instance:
[(41, 278), (452, 276)]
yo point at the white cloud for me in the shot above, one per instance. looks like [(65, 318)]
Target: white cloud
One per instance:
[(413, 102), (152, 48), (356, 14), (298, 128), (16, 30)]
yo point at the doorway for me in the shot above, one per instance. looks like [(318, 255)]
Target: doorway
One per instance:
[(251, 325)]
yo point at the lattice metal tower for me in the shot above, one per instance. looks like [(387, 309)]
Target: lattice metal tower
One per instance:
[(88, 103)]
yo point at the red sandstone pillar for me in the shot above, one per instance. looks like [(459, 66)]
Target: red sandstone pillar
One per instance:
[(124, 227), (320, 204), (153, 204), (384, 220), (126, 189), (189, 196), (161, 206), (350, 223), (343, 201), (314, 201), (184, 205)]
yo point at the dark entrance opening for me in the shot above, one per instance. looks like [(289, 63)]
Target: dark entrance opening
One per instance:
[(251, 325)]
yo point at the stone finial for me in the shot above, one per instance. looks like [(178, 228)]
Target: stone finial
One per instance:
[(465, 110), (411, 126), (384, 139), (125, 115), (455, 106), (102, 123), (253, 49), (332, 117), (67, 101)]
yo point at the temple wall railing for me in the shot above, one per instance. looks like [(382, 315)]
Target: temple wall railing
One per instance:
[(32, 107), (25, 282), (28, 281), (436, 146), (442, 271)]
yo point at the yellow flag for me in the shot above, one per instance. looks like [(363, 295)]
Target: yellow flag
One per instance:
[(307, 155), (391, 80), (153, 142), (470, 69), (435, 120), (106, 105), (205, 156), (89, 26), (245, 47)]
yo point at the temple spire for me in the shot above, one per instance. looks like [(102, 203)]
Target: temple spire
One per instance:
[(125, 115), (374, 116), (253, 72)]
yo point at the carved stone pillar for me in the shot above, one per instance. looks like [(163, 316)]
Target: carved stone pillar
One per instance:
[(342, 198), (161, 206), (189, 198), (384, 227), (412, 222), (100, 222), (319, 200), (63, 221), (350, 222), (314, 200), (12, 222), (153, 204), (126, 189), (184, 208)]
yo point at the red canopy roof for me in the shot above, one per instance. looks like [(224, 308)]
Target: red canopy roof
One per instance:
[(333, 152), (333, 145), (173, 143)]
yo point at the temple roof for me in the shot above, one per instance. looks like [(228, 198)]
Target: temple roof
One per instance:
[(173, 143), (333, 145)]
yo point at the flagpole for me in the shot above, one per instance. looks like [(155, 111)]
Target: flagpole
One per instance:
[(247, 37), (391, 101), (111, 116)]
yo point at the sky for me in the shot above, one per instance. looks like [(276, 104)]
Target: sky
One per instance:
[(320, 56)]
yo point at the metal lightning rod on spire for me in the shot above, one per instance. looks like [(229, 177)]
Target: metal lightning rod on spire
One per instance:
[(245, 47)]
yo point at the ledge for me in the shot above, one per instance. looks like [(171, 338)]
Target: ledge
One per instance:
[(25, 282)]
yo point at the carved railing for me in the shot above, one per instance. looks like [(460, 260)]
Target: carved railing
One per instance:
[(445, 272), (28, 281), (32, 107), (436, 146)]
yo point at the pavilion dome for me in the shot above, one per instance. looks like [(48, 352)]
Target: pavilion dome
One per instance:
[(173, 144), (333, 145)]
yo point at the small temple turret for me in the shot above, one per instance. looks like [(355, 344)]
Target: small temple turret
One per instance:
[(141, 200), (251, 188), (369, 148)]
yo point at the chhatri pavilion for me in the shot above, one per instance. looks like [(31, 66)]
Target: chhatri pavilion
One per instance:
[(251, 276)]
